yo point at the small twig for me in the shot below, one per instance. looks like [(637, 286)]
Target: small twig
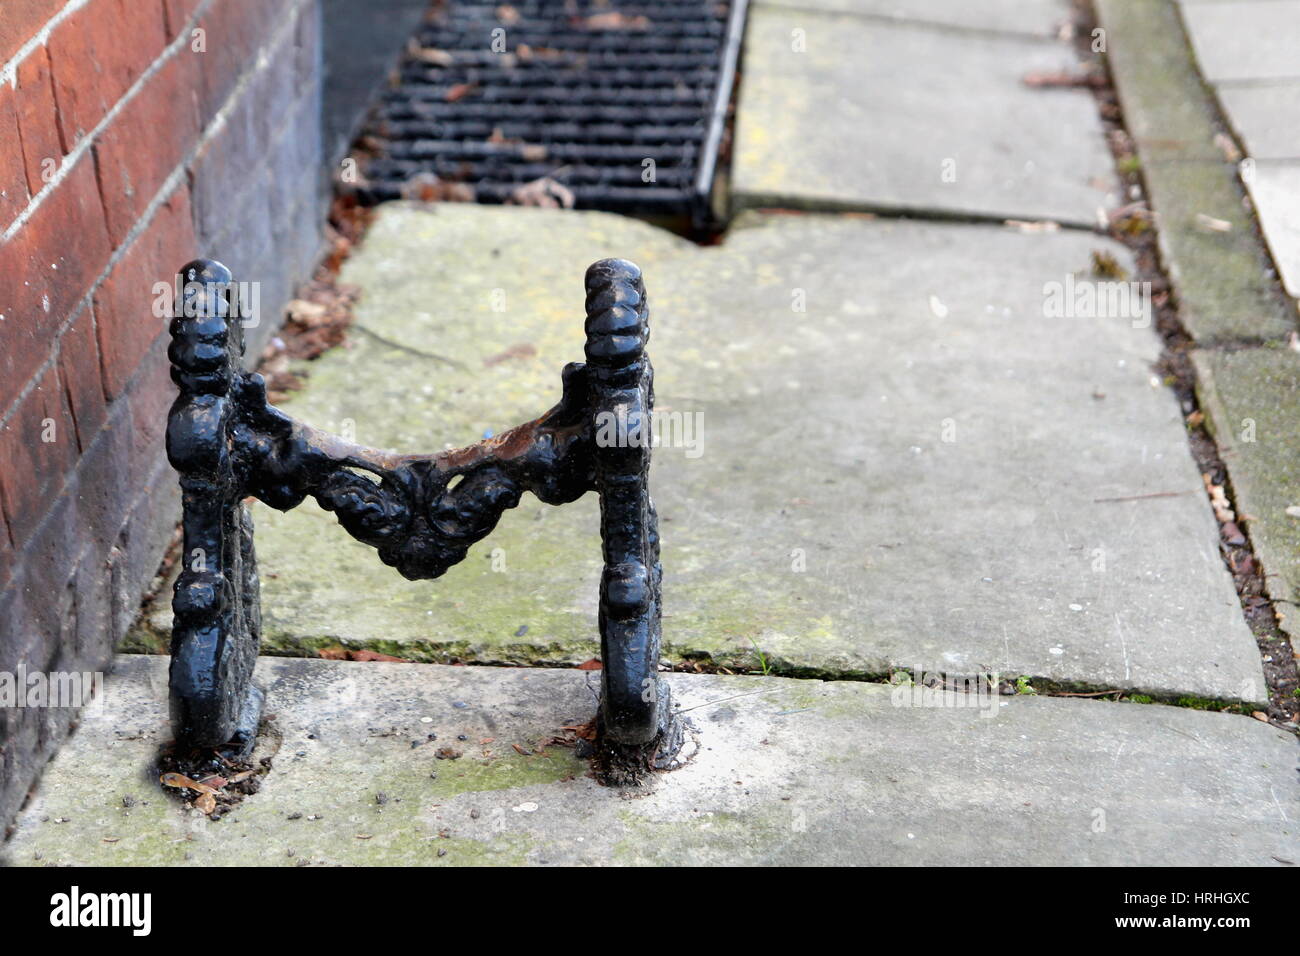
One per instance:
[(1156, 494)]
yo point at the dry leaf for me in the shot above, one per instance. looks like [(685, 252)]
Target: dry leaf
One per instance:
[(585, 731), (427, 187), (431, 55), (459, 92), (1210, 224), (343, 654), (308, 314), (1218, 500), (545, 193), (521, 350), (592, 665), (365, 655), (206, 802), (182, 782), (616, 21), (1062, 79)]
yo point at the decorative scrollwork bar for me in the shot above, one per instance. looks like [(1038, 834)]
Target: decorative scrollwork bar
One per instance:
[(420, 512)]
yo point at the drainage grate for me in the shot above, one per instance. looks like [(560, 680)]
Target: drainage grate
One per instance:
[(622, 103)]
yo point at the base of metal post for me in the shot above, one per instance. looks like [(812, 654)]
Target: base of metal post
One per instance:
[(244, 738), (620, 764)]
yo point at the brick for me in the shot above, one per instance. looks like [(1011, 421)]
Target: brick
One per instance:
[(48, 265), (97, 54), (124, 319), (224, 176), (32, 468), (103, 487), (147, 532), (50, 563), (149, 399), (21, 21), (178, 14), (233, 31), (94, 595), (7, 553), (80, 374), (42, 147), (144, 144), (308, 65), (13, 179)]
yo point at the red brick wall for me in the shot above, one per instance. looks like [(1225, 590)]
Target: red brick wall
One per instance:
[(134, 134)]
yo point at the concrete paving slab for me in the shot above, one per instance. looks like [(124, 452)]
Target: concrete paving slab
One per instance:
[(1166, 108), (1040, 18), (1266, 118), (1226, 289), (1252, 397), (1275, 189), (824, 122), (1245, 40), (786, 772), (1227, 284), (898, 457)]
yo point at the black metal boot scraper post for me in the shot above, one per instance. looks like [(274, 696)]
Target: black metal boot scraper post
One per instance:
[(420, 512)]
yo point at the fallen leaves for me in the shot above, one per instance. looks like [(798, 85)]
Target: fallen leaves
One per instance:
[(1218, 500), (215, 794), (315, 321), (459, 91), (360, 654), (206, 801), (427, 54), (1106, 266), (585, 731), (592, 665), (544, 193), (613, 20), (428, 187), (182, 782)]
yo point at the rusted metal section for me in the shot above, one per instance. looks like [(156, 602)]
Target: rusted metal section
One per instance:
[(421, 513), (622, 102)]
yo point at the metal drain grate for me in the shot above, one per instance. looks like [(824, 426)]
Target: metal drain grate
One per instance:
[(623, 103)]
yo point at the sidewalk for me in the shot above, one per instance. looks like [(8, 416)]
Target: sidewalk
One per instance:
[(891, 455)]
